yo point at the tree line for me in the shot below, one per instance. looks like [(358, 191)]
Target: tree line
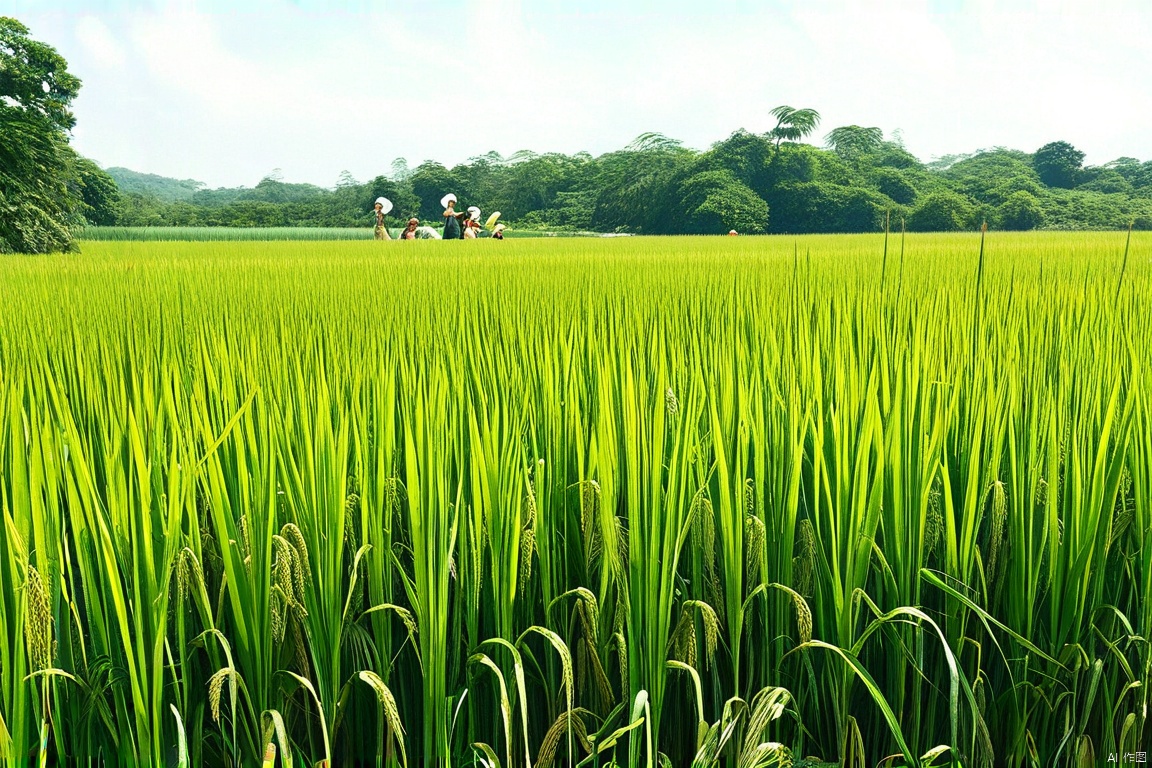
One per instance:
[(753, 183), (770, 182)]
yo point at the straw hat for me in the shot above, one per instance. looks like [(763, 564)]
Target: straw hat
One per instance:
[(385, 203), (499, 228), (474, 212), (448, 198), (413, 220)]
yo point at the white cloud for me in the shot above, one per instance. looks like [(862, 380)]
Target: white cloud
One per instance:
[(97, 39), (227, 95)]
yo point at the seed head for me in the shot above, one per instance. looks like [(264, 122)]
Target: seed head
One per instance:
[(38, 621)]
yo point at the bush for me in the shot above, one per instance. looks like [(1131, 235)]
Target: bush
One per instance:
[(942, 212), (892, 183), (817, 207), (716, 201), (1075, 209), (1020, 211)]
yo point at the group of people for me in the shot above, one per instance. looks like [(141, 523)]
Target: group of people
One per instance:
[(458, 225)]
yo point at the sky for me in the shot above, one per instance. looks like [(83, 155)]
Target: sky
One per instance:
[(229, 92)]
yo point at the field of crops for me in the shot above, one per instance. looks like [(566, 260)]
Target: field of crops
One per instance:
[(226, 234), (232, 234), (733, 501)]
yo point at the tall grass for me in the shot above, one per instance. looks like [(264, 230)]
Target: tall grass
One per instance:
[(577, 502)]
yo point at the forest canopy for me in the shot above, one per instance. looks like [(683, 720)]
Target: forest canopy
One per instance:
[(753, 183)]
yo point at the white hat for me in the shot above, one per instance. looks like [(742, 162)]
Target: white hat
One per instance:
[(499, 228), (474, 212), (448, 198), (384, 202)]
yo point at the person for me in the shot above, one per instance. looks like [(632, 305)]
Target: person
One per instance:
[(409, 232), (452, 229), (469, 229), (381, 229), (498, 232)]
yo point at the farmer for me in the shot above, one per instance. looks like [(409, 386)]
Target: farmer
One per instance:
[(472, 223), (383, 205), (498, 233), (451, 218), (409, 232)]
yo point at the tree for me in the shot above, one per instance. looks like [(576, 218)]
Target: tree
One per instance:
[(1021, 211), (273, 190), (632, 185), (653, 141), (1106, 180), (535, 183), (1058, 164), (102, 204), (799, 163), (716, 201), (991, 175), (151, 185), (799, 207), (484, 180), (430, 182), (405, 203), (1077, 209), (1138, 174), (851, 141), (37, 207), (942, 211), (746, 155), (893, 155), (34, 78), (793, 124), (894, 184), (400, 170)]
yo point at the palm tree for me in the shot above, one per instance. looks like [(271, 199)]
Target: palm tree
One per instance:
[(793, 124)]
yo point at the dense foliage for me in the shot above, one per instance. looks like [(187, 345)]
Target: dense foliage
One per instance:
[(732, 498), (46, 189), (749, 182)]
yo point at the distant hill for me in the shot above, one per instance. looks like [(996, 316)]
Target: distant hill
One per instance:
[(149, 184), (166, 190)]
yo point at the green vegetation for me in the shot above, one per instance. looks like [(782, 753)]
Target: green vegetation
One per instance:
[(578, 502), (46, 189), (225, 234), (203, 234), (151, 185), (752, 183)]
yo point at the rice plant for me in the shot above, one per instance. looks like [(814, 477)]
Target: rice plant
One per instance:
[(689, 501)]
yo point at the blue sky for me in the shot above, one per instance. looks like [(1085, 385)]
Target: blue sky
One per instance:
[(226, 92)]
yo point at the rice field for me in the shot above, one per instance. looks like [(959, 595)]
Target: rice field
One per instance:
[(649, 501), (231, 234), (228, 234)]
